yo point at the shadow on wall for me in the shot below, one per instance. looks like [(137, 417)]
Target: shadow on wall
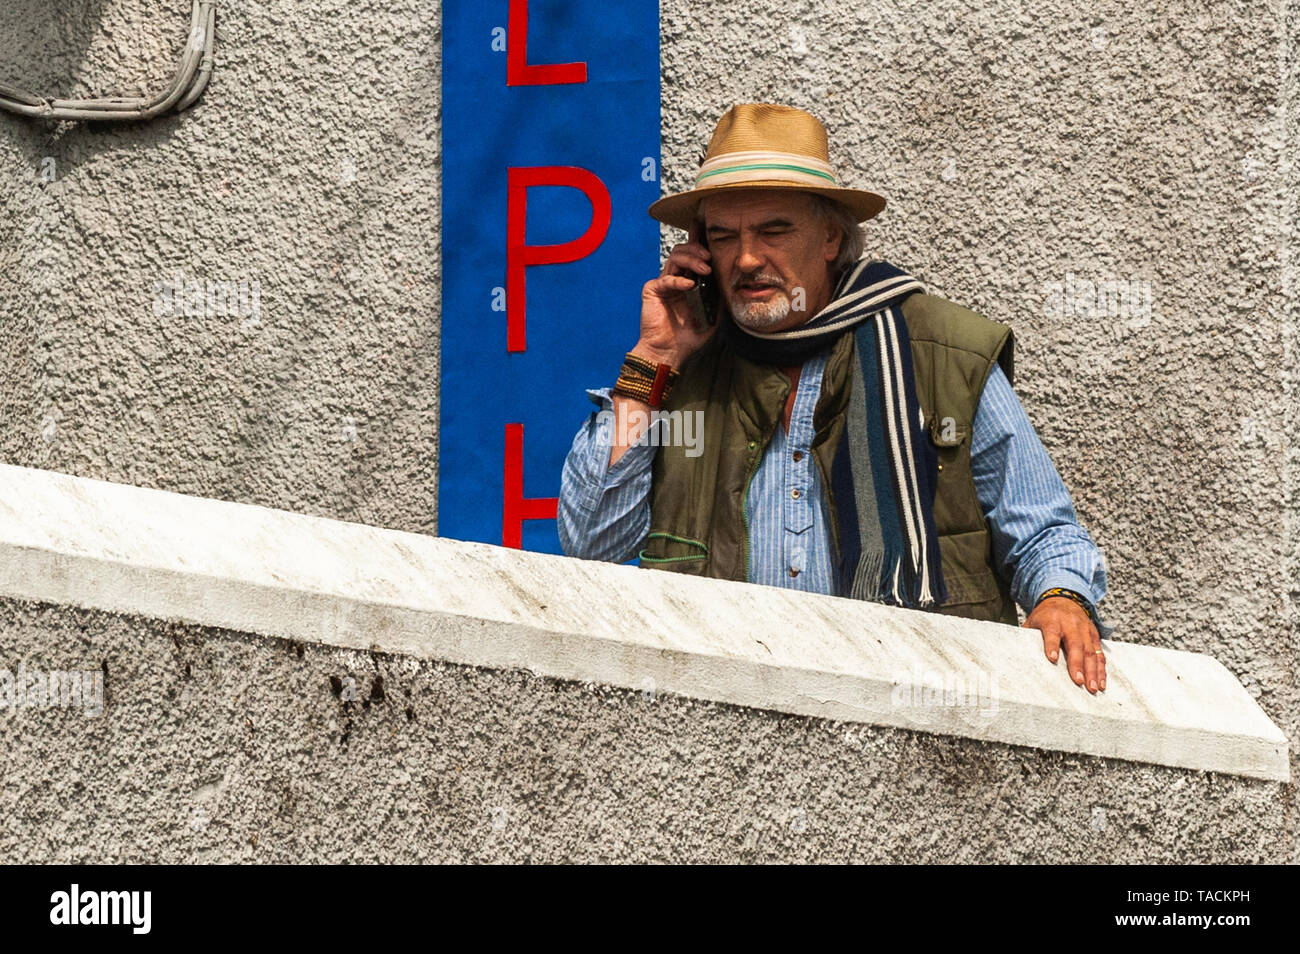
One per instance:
[(311, 209), (43, 45), (78, 49)]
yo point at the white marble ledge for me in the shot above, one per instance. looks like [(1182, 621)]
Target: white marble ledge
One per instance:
[(127, 549)]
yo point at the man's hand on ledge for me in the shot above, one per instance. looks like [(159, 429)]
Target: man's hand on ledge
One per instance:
[(1063, 621)]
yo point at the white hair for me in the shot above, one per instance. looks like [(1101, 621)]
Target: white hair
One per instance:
[(853, 235)]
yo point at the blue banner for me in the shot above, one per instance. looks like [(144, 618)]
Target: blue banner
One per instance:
[(550, 158)]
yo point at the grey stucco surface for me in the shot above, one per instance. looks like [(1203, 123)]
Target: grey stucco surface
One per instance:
[(311, 168), (220, 747), (1017, 144)]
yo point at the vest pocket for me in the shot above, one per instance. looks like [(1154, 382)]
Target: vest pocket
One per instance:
[(966, 572), (946, 430), (956, 504)]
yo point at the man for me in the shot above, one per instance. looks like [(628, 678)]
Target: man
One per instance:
[(860, 437)]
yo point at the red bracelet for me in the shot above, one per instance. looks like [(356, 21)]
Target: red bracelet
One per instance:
[(659, 390)]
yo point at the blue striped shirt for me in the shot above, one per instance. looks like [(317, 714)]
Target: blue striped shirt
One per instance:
[(604, 512)]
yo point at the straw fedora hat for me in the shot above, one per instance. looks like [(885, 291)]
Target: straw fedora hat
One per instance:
[(762, 145)]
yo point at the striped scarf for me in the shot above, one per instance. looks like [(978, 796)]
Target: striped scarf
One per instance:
[(883, 478)]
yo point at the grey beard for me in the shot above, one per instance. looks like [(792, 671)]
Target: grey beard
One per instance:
[(759, 316)]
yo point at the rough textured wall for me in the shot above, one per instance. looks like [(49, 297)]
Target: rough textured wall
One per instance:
[(310, 170), (1018, 144), (217, 746)]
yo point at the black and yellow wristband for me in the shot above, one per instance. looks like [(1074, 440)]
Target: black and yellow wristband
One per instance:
[(1084, 603), (1068, 594)]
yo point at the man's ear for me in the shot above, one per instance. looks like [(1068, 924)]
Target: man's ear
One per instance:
[(835, 239)]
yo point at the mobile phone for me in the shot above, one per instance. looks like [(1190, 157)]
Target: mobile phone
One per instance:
[(706, 287)]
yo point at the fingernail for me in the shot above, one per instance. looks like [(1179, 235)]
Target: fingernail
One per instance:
[(1052, 657), (1093, 685), (1079, 676)]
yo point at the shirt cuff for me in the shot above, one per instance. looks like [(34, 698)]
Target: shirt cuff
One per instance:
[(637, 458), (1073, 581)]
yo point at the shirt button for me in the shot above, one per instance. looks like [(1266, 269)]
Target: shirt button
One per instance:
[(793, 571), (798, 455), (795, 493)]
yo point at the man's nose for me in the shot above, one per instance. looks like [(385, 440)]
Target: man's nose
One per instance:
[(750, 258)]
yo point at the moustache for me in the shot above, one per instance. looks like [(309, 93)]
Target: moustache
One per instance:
[(762, 278)]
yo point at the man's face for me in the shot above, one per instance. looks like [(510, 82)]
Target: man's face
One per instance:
[(770, 255)]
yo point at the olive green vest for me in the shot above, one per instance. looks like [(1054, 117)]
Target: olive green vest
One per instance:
[(697, 504)]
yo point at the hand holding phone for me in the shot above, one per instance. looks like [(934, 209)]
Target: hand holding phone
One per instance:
[(679, 307), (706, 286)]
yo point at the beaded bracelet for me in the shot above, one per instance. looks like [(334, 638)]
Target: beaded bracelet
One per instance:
[(645, 381)]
